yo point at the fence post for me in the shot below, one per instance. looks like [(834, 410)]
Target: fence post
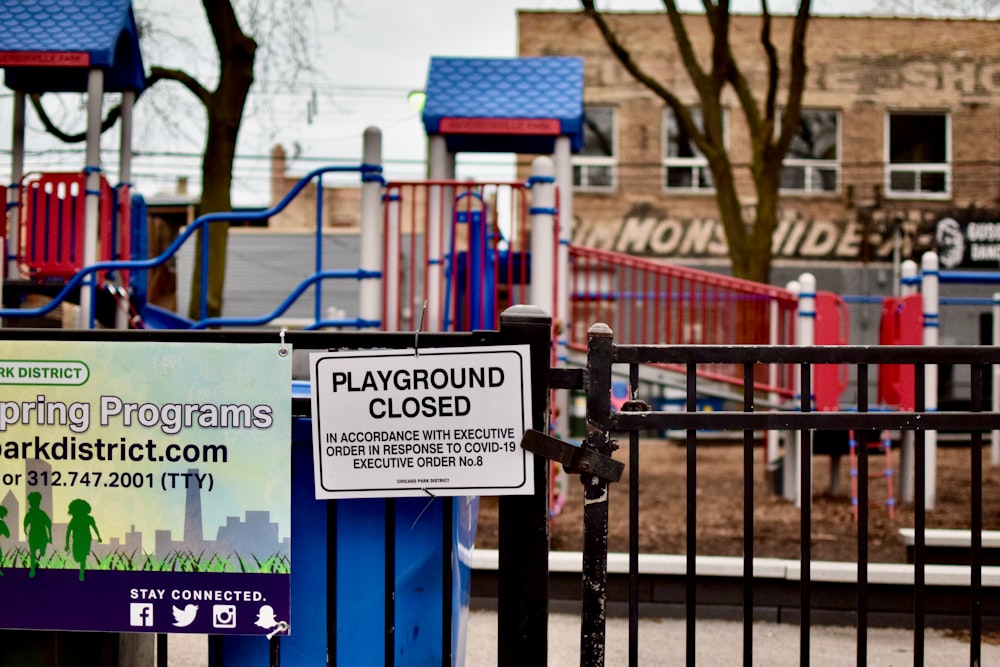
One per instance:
[(523, 570), (600, 340)]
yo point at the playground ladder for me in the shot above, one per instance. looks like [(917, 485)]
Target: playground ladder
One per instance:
[(885, 445)]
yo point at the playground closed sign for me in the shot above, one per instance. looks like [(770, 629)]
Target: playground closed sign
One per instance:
[(443, 421), (145, 487)]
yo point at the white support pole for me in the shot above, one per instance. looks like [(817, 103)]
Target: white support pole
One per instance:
[(124, 179), (807, 336), (564, 183), (562, 157), (95, 93), (125, 151), (929, 278), (370, 294), (772, 380), (13, 192), (807, 329), (995, 395), (437, 170), (542, 225), (393, 278), (908, 273), (790, 469)]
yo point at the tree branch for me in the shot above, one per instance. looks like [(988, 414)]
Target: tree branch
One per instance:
[(797, 79), (50, 126), (625, 58), (181, 77), (773, 68)]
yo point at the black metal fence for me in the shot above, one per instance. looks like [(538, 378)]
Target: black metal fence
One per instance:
[(636, 416), (523, 522)]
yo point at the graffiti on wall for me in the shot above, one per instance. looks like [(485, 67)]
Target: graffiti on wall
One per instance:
[(865, 75), (868, 75), (966, 238)]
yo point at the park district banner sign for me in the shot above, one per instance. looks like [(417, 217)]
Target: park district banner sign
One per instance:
[(436, 422), (145, 487)]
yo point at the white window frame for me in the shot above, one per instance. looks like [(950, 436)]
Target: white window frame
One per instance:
[(696, 164), (812, 182), (584, 163), (918, 169)]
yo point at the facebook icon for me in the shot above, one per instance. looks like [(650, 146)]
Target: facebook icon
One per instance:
[(141, 614)]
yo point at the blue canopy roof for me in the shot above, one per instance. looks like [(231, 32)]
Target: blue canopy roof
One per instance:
[(510, 105), (48, 45)]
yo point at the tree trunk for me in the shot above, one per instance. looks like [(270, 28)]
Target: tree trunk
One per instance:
[(224, 107)]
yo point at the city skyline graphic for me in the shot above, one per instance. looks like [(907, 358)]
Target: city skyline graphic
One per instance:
[(254, 536)]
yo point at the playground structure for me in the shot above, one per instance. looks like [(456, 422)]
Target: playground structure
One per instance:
[(449, 255), (440, 234), (463, 252)]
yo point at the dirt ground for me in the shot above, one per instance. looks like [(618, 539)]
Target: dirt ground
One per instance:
[(663, 488)]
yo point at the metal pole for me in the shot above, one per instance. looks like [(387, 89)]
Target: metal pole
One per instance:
[(124, 180), (789, 472), (437, 170), (523, 528), (95, 93), (392, 279), (370, 294), (543, 221), (930, 290), (908, 286), (807, 333), (13, 192), (595, 498)]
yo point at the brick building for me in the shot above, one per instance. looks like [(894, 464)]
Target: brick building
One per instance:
[(900, 139)]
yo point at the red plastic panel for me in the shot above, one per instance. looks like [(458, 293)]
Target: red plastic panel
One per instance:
[(51, 224), (832, 326), (52, 221), (901, 324)]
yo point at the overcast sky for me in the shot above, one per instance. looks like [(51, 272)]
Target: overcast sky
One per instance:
[(368, 56)]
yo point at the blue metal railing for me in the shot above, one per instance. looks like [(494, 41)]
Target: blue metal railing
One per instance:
[(87, 275)]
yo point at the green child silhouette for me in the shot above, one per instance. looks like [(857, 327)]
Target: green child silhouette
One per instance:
[(38, 528), (4, 530), (78, 531)]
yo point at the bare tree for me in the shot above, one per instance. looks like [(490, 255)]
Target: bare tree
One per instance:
[(224, 109), (749, 240), (283, 28)]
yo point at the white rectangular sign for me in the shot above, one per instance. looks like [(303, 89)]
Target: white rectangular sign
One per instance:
[(444, 421)]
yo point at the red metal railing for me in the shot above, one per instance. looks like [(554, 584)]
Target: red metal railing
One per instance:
[(650, 302), (466, 270)]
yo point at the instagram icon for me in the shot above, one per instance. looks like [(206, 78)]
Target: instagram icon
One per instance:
[(224, 616)]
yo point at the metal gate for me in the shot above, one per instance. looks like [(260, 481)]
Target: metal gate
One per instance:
[(598, 469)]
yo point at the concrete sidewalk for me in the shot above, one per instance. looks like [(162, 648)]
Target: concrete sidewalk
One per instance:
[(661, 642), (720, 644)]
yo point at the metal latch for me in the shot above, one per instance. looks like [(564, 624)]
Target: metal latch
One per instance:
[(574, 459)]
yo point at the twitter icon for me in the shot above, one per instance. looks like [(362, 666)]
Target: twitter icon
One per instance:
[(185, 617)]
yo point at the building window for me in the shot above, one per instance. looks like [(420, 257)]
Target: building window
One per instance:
[(812, 164), (919, 155), (595, 166), (684, 166)]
